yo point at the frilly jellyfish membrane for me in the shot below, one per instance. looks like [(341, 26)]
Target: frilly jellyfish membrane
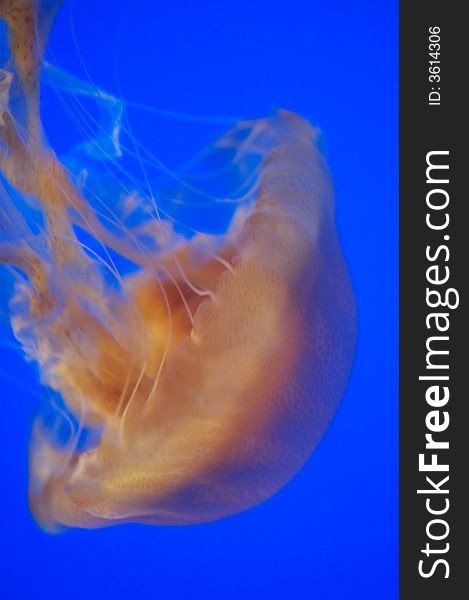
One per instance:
[(193, 371)]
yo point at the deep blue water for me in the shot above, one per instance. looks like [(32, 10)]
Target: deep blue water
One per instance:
[(332, 533)]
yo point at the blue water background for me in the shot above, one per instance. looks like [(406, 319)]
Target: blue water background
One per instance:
[(332, 533)]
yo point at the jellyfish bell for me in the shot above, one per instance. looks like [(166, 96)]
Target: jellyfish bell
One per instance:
[(209, 372)]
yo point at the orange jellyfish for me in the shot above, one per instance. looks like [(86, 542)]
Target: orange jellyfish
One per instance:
[(211, 369)]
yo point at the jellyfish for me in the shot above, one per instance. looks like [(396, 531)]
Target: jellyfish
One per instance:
[(196, 370)]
